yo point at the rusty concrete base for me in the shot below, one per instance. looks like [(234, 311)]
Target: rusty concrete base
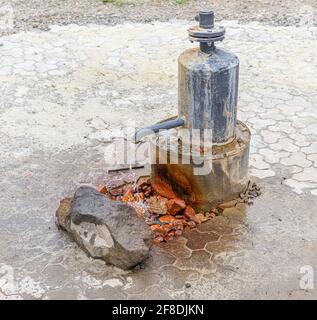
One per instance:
[(209, 179)]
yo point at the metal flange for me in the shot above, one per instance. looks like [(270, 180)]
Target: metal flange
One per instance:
[(206, 33)]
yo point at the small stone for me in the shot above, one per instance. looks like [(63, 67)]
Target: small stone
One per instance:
[(63, 213), (175, 205), (157, 204), (241, 195), (201, 217), (168, 219), (191, 224), (103, 190), (187, 285), (170, 235), (191, 214), (156, 228), (158, 239), (167, 227)]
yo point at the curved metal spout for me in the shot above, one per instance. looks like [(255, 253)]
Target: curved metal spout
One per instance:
[(165, 125)]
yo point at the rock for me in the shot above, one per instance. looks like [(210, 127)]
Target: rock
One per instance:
[(157, 204), (158, 239), (63, 213), (201, 217), (191, 224), (103, 190), (175, 205), (156, 228), (109, 230), (169, 219), (191, 214), (162, 188)]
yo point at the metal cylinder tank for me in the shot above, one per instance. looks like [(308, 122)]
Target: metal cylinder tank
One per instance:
[(208, 90), (224, 168), (201, 173)]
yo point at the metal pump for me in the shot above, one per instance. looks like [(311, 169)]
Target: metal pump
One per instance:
[(207, 85), (207, 102)]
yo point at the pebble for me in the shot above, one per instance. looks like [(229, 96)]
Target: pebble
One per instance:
[(191, 214)]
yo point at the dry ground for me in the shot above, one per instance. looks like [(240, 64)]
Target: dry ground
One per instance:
[(41, 13)]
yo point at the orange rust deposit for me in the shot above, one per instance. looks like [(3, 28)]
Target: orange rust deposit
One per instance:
[(175, 205), (156, 202), (162, 188), (166, 214)]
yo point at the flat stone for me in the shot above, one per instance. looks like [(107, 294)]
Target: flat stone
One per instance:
[(108, 230)]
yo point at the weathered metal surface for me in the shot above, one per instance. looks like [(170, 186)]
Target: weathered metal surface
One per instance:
[(206, 33), (227, 178), (208, 90), (207, 101)]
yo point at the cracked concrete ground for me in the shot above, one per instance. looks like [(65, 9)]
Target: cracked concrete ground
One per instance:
[(67, 91)]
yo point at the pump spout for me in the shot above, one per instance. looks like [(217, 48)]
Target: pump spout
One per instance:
[(165, 125)]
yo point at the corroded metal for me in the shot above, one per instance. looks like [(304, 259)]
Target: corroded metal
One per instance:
[(207, 92), (207, 103), (227, 178), (206, 33)]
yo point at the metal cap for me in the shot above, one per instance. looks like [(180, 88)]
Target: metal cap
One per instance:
[(206, 19)]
